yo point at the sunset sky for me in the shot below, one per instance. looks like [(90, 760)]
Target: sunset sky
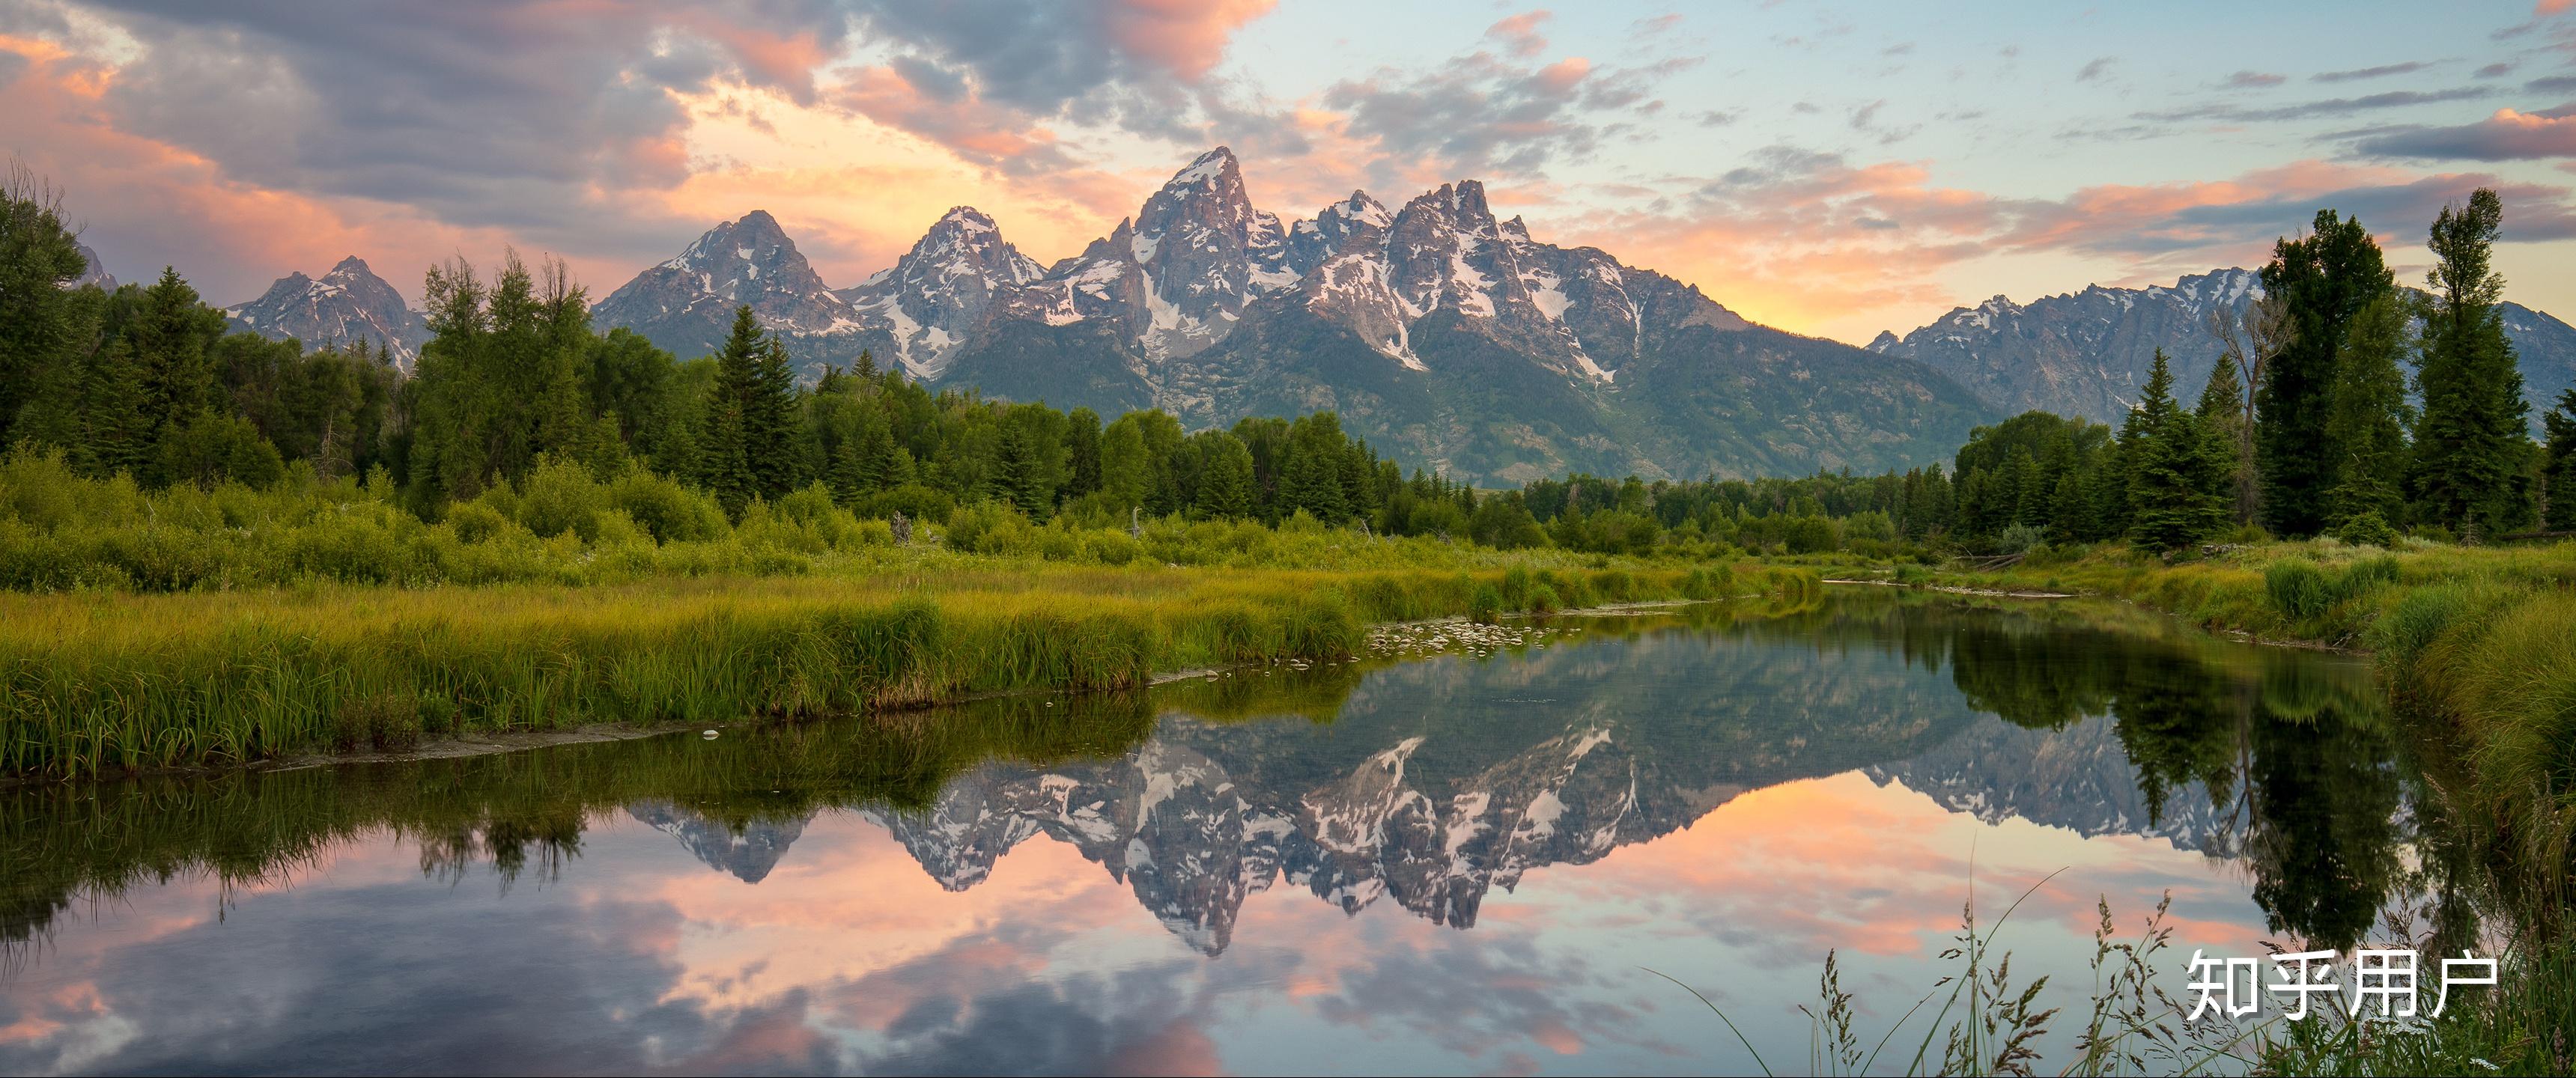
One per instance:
[(1830, 170)]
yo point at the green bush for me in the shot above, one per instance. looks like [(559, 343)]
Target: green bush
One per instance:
[(2367, 528), (2299, 589), (1486, 607)]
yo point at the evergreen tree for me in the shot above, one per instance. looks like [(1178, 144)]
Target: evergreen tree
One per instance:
[(43, 325), (725, 448), (2471, 473), (2367, 420), (2177, 482), (2323, 280), (1225, 482), (772, 437), (2558, 462), (170, 339), (1311, 478), (2222, 415), (1082, 452)]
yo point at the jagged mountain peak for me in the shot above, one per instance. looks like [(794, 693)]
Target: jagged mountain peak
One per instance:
[(917, 311), (94, 271), (686, 303), (347, 304)]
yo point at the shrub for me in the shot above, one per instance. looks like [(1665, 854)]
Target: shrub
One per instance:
[(476, 522), (667, 510), (2298, 588), (2367, 528), (2019, 538), (1486, 606), (559, 496)]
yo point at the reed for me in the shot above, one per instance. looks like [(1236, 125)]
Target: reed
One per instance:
[(108, 681)]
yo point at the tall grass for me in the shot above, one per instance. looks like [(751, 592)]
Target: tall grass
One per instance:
[(100, 682)]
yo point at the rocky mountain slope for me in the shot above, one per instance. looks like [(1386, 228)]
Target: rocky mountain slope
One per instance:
[(350, 303), (96, 273), (1448, 337), (2086, 353)]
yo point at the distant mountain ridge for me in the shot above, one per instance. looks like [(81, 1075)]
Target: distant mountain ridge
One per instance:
[(348, 304), (1449, 338), (2086, 353)]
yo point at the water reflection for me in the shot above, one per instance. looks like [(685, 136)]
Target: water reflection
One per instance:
[(1712, 792)]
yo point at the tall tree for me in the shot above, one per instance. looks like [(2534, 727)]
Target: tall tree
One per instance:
[(2367, 417), (170, 338), (2558, 462), (1225, 480), (2323, 279), (1311, 478), (2177, 483), (2222, 415), (43, 326), (2471, 473), (724, 449)]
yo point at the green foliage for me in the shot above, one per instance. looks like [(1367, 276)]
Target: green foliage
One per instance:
[(2471, 468), (2299, 589), (2558, 462), (2366, 528), (1486, 607), (2324, 279), (2179, 477)]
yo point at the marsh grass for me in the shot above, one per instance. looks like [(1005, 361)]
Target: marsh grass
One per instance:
[(105, 682)]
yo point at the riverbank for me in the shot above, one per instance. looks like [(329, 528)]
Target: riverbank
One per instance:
[(100, 682)]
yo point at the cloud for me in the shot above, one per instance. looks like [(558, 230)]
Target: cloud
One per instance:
[(535, 120), (2096, 68), (1519, 34), (2253, 80), (1482, 114), (2381, 71), (2506, 136), (1800, 237), (2551, 85), (2334, 107), (2495, 70), (1012, 65)]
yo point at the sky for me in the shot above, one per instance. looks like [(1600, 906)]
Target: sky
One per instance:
[(1833, 170)]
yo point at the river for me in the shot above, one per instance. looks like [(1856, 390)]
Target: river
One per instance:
[(1463, 863)]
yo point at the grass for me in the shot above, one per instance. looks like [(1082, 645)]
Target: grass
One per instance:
[(99, 682)]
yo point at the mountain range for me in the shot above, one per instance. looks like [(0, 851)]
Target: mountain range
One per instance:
[(347, 305), (1451, 339), (2086, 353)]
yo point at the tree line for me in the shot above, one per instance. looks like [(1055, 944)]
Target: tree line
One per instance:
[(146, 382), (2309, 423)]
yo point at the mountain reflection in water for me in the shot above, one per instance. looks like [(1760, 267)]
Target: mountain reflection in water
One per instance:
[(1723, 795)]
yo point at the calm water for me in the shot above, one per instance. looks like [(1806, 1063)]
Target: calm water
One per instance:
[(1447, 865)]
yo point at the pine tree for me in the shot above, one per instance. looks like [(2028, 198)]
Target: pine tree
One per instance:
[(725, 446), (1311, 479), (2176, 479), (2558, 462), (2222, 414), (2471, 473), (773, 439), (1225, 486), (2323, 279), (170, 336), (2367, 420)]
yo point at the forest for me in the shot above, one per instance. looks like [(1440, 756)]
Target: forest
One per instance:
[(2343, 405)]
